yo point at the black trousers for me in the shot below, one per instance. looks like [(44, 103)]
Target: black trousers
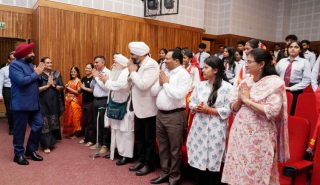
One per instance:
[(206, 177), (6, 92), (88, 124), (145, 136), (99, 106), (295, 99)]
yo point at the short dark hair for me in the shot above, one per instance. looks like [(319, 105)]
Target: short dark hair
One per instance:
[(254, 43), (91, 64), (277, 44), (100, 56), (177, 54), (291, 37), (44, 59), (305, 41), (11, 53), (222, 46), (202, 45), (242, 42), (188, 53), (164, 50), (240, 52)]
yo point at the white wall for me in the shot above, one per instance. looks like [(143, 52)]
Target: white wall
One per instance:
[(264, 19), (305, 19), (20, 3), (217, 16), (190, 13)]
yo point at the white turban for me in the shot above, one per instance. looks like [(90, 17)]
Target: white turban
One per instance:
[(139, 48), (121, 60)]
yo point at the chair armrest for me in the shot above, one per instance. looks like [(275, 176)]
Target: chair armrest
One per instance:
[(297, 168)]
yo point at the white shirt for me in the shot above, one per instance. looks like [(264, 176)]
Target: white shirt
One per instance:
[(276, 53), (239, 65), (194, 74), (219, 55), (203, 56), (120, 88), (315, 74), (4, 78), (300, 72), (311, 57), (172, 95), (99, 89)]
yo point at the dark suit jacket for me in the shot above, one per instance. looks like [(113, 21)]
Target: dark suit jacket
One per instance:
[(24, 86)]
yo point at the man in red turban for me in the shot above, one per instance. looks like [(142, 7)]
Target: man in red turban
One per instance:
[(25, 103)]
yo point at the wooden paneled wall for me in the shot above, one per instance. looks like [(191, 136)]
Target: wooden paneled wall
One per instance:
[(231, 40), (74, 37), (18, 22), (7, 45)]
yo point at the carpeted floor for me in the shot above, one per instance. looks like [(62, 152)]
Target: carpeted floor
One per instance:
[(69, 163)]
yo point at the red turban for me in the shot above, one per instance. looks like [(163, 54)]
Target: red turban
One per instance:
[(23, 50)]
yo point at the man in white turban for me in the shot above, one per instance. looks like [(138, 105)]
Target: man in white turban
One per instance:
[(122, 131), (144, 72)]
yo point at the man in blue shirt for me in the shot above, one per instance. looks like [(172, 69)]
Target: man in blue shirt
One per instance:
[(25, 103)]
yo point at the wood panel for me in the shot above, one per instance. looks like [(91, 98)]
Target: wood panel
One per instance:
[(18, 22), (231, 40), (7, 45), (74, 38)]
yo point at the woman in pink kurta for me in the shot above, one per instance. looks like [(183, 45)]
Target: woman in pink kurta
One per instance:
[(259, 134)]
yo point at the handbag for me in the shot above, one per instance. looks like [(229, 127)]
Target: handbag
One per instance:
[(117, 110)]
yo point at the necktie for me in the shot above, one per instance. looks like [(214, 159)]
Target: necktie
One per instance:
[(199, 57), (287, 74)]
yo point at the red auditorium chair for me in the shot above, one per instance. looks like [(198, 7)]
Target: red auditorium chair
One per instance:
[(315, 179), (308, 89), (289, 101), (294, 171), (306, 108)]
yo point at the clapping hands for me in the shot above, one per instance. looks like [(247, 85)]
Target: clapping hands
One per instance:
[(39, 69)]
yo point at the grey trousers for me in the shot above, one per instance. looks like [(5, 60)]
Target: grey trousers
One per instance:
[(170, 131)]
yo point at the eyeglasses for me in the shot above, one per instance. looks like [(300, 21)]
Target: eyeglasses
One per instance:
[(250, 62)]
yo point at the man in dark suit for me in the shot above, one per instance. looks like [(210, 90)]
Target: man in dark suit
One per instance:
[(25, 103)]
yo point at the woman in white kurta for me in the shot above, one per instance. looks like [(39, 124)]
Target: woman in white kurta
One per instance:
[(207, 136), (122, 131)]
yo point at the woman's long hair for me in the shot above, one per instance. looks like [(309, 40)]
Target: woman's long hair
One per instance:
[(216, 63), (262, 55), (231, 57)]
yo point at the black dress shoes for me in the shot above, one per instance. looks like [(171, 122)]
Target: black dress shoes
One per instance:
[(122, 161), (144, 170), (136, 167), (34, 156), (160, 179), (20, 160)]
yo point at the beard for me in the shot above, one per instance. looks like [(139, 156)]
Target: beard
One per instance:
[(115, 73), (29, 59)]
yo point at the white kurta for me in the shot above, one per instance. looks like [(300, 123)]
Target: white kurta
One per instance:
[(122, 131), (207, 136)]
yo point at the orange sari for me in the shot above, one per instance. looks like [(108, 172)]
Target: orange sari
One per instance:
[(73, 112)]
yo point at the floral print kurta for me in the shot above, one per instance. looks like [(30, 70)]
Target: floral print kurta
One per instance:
[(207, 136), (251, 155)]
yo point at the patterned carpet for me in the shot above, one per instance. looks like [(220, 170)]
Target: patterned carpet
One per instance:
[(69, 163)]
